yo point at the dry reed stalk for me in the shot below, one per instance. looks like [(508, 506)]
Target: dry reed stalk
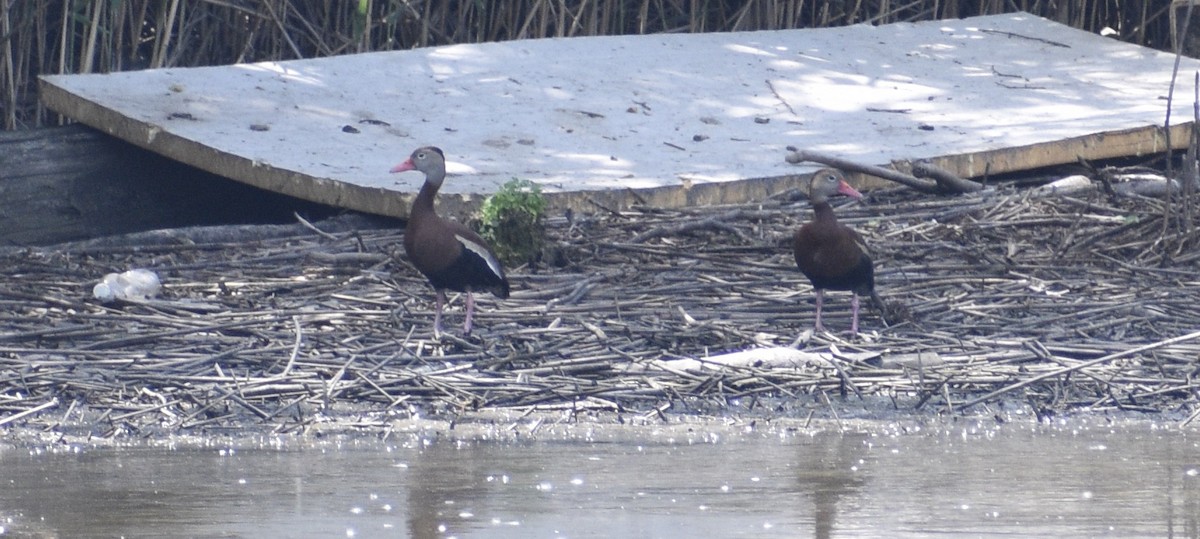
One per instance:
[(8, 80)]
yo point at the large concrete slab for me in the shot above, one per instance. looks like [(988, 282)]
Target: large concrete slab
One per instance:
[(669, 119)]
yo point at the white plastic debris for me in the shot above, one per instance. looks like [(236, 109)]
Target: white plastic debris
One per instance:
[(136, 284), (1069, 185)]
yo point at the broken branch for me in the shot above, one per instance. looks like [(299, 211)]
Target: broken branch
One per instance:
[(799, 156)]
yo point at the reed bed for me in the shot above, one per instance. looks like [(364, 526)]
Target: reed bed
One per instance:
[(1000, 303), (97, 36)]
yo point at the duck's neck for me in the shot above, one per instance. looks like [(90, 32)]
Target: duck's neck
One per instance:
[(822, 211), (424, 201)]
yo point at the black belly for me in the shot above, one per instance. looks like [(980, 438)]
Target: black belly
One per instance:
[(468, 272), (860, 280)]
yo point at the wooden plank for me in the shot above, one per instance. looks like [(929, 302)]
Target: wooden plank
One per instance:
[(1134, 142), (593, 123), (73, 182), (388, 202), (226, 164)]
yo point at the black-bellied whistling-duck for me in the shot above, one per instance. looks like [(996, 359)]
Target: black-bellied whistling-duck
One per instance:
[(830, 254), (449, 254)]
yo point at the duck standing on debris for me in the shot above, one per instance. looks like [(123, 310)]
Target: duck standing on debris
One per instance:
[(830, 254), (450, 255)]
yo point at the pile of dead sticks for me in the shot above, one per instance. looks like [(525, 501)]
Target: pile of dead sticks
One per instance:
[(1050, 302)]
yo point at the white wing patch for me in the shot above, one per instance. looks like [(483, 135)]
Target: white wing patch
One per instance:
[(483, 253)]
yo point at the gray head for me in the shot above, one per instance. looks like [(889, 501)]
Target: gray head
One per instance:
[(828, 182), (427, 159)]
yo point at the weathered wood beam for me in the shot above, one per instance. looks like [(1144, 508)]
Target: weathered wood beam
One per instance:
[(74, 182)]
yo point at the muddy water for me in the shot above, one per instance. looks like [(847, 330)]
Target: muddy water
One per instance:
[(1084, 480)]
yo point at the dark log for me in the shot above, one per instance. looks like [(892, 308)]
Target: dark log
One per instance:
[(944, 180), (947, 181), (799, 156), (74, 182)]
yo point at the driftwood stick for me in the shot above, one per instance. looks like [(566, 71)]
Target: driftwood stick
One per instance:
[(295, 348), (945, 179), (924, 186), (774, 357), (717, 223), (304, 222), (48, 404), (1078, 366), (710, 223)]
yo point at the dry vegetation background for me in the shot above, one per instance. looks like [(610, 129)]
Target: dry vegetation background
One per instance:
[(96, 36)]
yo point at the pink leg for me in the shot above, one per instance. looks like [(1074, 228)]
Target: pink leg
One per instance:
[(854, 313), (820, 301), (470, 311), (437, 317)]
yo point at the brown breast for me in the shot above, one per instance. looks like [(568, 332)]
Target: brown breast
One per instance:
[(829, 253)]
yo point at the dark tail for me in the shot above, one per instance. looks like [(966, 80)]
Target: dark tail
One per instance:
[(500, 290)]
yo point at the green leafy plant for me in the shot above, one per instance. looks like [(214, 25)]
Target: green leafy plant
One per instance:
[(511, 221)]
